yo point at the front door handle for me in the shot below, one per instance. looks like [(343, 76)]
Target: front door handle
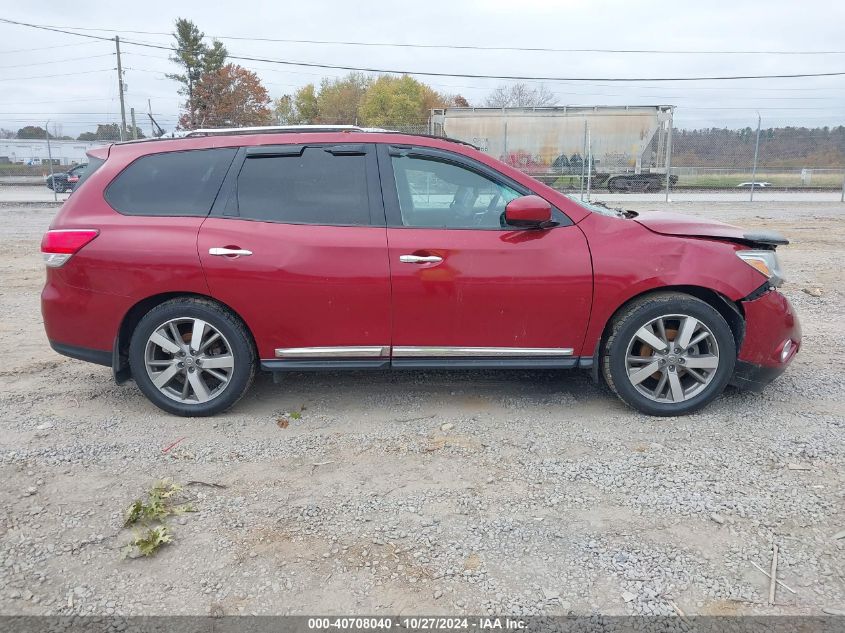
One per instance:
[(228, 252), (420, 259)]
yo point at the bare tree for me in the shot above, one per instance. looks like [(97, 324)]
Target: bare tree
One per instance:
[(520, 96)]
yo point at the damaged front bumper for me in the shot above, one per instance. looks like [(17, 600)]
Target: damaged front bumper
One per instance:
[(772, 339)]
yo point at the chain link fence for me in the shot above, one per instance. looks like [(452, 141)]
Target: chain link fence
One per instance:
[(594, 152), (771, 159)]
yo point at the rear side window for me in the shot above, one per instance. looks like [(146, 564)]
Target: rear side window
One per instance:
[(315, 186), (172, 183)]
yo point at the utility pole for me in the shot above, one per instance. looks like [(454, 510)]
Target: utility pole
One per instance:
[(589, 161), (152, 125), (134, 127), (120, 89), (669, 152), (583, 160), (50, 158), (756, 149)]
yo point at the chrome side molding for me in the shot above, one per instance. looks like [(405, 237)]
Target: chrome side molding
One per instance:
[(384, 351), (375, 351), (483, 352)]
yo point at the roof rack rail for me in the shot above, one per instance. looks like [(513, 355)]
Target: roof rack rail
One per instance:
[(293, 129), (435, 136), (261, 129)]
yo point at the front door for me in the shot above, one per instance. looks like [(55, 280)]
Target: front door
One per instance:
[(297, 244), (469, 290)]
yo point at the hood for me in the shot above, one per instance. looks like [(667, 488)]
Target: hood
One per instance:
[(677, 224)]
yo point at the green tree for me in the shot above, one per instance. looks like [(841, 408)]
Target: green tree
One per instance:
[(33, 131), (398, 101), (195, 59), (339, 99), (305, 104), (109, 132), (214, 57), (283, 111)]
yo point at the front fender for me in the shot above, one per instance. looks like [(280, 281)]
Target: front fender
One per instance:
[(629, 260)]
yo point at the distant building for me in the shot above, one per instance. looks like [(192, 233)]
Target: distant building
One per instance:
[(34, 151)]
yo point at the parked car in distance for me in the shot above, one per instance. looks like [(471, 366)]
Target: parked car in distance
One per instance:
[(190, 264), (65, 180), (761, 185)]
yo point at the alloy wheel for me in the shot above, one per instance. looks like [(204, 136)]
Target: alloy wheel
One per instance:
[(188, 360), (672, 358)]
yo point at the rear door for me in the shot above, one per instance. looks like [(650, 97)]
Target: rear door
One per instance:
[(469, 290), (296, 244)]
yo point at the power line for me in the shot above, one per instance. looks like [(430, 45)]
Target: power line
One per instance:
[(462, 75), (541, 49), (58, 61), (84, 72), (43, 48), (662, 97), (15, 102), (34, 114)]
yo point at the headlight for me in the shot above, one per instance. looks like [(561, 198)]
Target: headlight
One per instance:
[(765, 262)]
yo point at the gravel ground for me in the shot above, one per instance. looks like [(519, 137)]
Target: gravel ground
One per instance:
[(428, 492)]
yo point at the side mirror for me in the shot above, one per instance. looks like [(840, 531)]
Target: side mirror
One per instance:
[(528, 212)]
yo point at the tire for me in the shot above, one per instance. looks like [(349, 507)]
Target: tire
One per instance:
[(220, 372), (681, 382)]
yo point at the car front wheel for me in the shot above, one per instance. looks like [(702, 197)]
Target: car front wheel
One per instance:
[(669, 354), (192, 357)]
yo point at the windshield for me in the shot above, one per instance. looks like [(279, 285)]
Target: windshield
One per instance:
[(602, 209)]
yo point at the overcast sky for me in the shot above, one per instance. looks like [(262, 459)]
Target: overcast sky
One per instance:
[(81, 89)]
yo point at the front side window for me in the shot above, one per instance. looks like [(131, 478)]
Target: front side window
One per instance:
[(314, 187), (434, 193), (170, 183)]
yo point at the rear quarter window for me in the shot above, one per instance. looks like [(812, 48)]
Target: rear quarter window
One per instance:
[(171, 183), (84, 171)]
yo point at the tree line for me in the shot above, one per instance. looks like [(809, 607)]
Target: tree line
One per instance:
[(784, 147), (104, 132)]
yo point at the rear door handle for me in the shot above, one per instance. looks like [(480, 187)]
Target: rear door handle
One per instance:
[(228, 252), (420, 259)]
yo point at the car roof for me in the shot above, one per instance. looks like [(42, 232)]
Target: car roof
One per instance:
[(244, 137)]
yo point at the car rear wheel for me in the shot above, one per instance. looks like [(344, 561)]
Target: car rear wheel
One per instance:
[(669, 354), (192, 357)]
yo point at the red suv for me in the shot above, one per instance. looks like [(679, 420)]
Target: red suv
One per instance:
[(189, 264)]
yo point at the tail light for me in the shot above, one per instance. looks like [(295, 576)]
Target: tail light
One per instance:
[(60, 245)]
